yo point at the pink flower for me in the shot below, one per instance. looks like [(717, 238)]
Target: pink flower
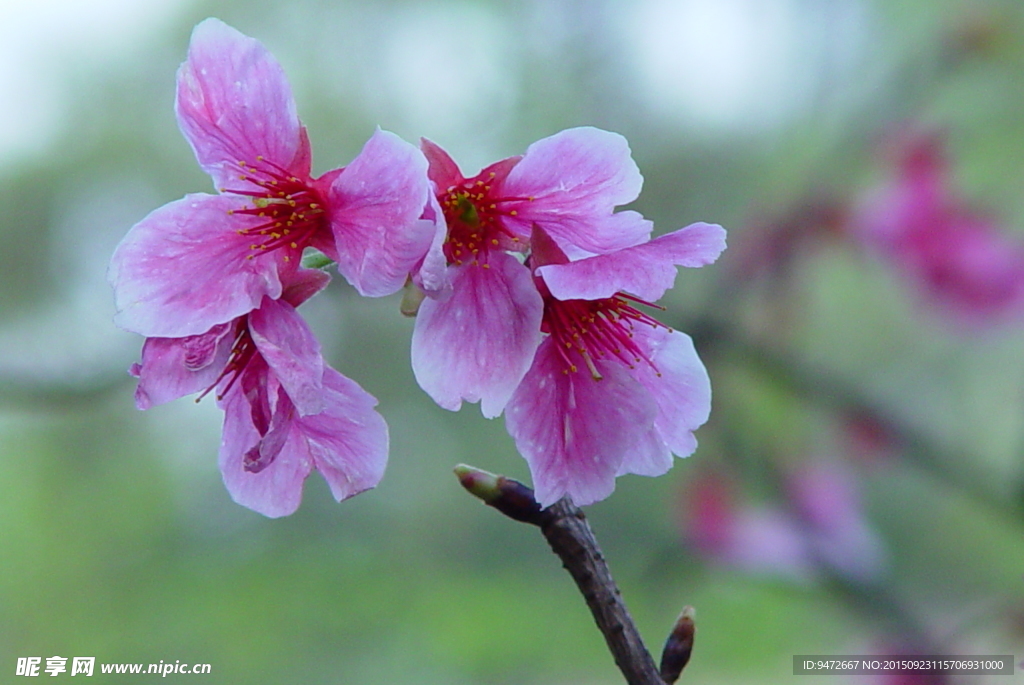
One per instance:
[(475, 340), (285, 411), (611, 390), (206, 259), (755, 539), (957, 256)]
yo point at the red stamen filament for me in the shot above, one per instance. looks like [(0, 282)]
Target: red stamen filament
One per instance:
[(598, 329), (291, 209), (243, 350), (474, 220)]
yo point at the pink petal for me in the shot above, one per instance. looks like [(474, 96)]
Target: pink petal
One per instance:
[(478, 344), (175, 367), (431, 273), (576, 432), (682, 391), (646, 270), (348, 441), (275, 490), (442, 170), (184, 269), (287, 344), (234, 105), (576, 178), (376, 204)]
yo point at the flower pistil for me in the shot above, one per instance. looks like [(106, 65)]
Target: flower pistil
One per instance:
[(474, 221)]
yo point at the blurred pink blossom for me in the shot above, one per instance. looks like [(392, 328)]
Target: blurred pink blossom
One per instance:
[(821, 525), (958, 257)]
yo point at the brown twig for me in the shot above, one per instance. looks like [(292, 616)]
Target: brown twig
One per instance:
[(566, 529)]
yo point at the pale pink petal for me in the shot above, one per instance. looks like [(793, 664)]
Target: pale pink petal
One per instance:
[(570, 184), (234, 105), (646, 270), (348, 441), (478, 344), (431, 273), (678, 383), (287, 344), (376, 204), (184, 269), (175, 367), (276, 489), (575, 432)]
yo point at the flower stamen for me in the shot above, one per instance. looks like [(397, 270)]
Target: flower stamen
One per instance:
[(595, 330)]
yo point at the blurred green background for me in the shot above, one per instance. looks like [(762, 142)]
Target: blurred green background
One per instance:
[(118, 540)]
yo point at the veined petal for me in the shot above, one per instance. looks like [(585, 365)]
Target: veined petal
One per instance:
[(348, 441), (646, 270), (571, 183), (287, 344), (478, 344), (576, 432), (175, 367), (431, 273), (185, 268), (678, 383), (234, 104), (376, 204), (276, 489)]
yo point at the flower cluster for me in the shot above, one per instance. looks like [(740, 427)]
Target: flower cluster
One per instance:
[(536, 292), (546, 321)]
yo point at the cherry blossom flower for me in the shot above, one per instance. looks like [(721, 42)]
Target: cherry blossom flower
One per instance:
[(611, 390), (957, 256), (208, 259), (286, 413)]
